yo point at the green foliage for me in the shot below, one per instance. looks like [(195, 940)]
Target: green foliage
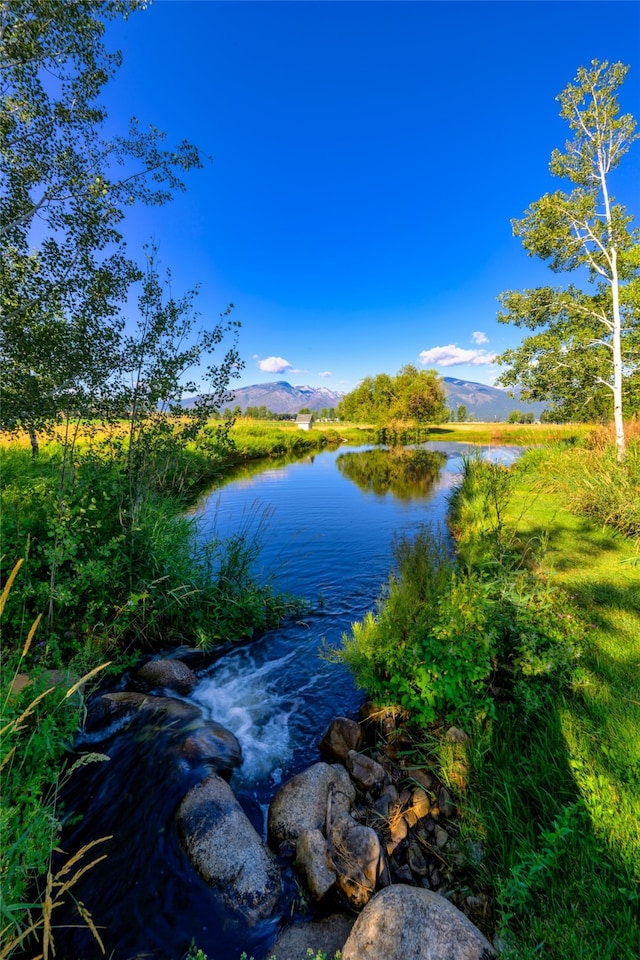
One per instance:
[(553, 789), (533, 870), (416, 395), (255, 440), (517, 416), (610, 494), (119, 583), (38, 718), (62, 285), (446, 635), (583, 357)]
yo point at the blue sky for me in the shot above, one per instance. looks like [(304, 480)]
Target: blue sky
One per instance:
[(367, 161)]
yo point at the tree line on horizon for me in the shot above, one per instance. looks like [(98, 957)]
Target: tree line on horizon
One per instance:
[(67, 282)]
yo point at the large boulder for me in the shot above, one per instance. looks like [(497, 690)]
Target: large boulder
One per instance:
[(301, 804), (358, 857), (167, 675), (207, 742), (314, 863), (227, 851), (402, 921), (124, 705), (326, 936)]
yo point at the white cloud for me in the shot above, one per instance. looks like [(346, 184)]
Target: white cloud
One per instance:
[(452, 356), (325, 373), (275, 365), (479, 337)]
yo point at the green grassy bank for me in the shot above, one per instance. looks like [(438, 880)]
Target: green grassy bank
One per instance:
[(558, 796), (530, 641)]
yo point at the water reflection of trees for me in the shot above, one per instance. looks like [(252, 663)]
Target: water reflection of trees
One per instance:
[(407, 474)]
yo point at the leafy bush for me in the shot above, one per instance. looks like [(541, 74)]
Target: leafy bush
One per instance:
[(447, 636), (108, 574)]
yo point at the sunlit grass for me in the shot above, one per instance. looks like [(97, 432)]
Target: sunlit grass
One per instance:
[(570, 893)]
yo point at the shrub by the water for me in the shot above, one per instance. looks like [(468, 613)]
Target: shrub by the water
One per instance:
[(446, 639), (108, 571)]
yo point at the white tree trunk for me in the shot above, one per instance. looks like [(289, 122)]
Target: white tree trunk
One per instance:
[(617, 367)]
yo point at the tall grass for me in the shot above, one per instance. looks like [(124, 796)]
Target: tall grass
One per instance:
[(555, 793), (36, 726), (549, 785), (122, 581)]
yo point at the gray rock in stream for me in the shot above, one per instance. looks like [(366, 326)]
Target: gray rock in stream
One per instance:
[(403, 921), (122, 706), (207, 742), (226, 850), (165, 674), (301, 804), (327, 935)]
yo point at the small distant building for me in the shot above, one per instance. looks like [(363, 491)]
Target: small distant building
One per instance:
[(304, 421)]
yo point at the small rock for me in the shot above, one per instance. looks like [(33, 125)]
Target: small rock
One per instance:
[(476, 851), (358, 858), (366, 773), (398, 829), (416, 859), (456, 735), (382, 806), (411, 817), (442, 837), (477, 903), (423, 777), (446, 804), (341, 736), (19, 682), (420, 803), (167, 675)]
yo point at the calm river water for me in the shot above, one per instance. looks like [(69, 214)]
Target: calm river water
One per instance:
[(327, 525)]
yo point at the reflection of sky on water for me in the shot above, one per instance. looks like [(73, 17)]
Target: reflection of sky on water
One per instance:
[(325, 539)]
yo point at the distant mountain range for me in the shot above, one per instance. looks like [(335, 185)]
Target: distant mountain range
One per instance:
[(281, 397), (486, 403), (483, 402)]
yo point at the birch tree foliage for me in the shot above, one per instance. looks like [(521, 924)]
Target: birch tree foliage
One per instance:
[(64, 190), (585, 350)]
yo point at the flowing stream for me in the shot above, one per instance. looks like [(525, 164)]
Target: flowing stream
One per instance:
[(326, 525)]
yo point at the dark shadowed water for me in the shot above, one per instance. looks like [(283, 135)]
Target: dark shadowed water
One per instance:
[(327, 525)]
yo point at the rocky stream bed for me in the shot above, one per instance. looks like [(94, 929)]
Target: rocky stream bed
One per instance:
[(358, 852)]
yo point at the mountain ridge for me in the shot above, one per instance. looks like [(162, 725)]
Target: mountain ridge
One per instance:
[(279, 396)]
